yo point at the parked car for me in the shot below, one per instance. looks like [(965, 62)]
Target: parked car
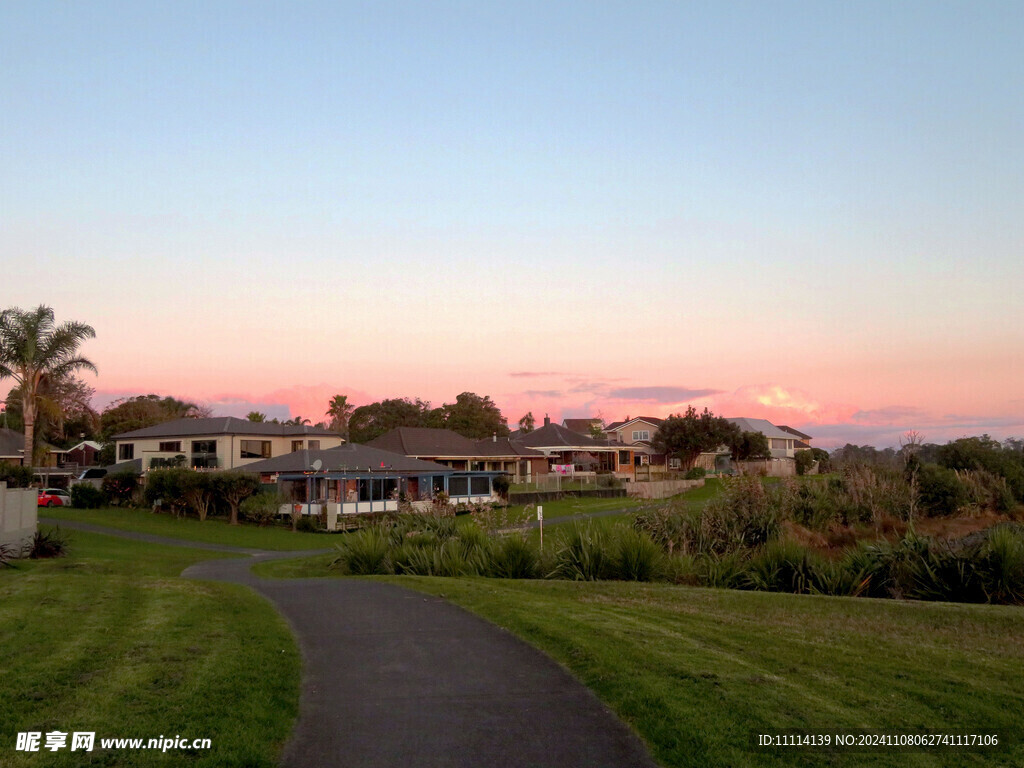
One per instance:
[(53, 497)]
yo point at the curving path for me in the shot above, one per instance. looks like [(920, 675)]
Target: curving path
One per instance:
[(392, 677)]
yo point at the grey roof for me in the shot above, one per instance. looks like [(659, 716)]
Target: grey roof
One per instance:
[(438, 443), (132, 465), (352, 457), (557, 436), (222, 425), (763, 426), (11, 443), (580, 425), (795, 432)]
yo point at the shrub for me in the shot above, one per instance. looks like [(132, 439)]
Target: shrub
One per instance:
[(1000, 565), (804, 461), (726, 571), (261, 508), (120, 488), (783, 566), (15, 475), (513, 557), (580, 554), (47, 543), (501, 484), (940, 489), (165, 488), (85, 496), (695, 473), (364, 552), (635, 556), (306, 523)]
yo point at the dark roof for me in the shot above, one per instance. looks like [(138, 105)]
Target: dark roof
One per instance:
[(438, 443), (801, 445), (11, 443), (619, 424), (425, 441), (132, 465), (555, 435), (795, 432), (580, 425), (222, 425), (353, 457)]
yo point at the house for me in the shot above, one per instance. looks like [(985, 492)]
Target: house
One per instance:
[(639, 434), (353, 478), (494, 454), (12, 446), (563, 447), (84, 454), (218, 442), (781, 443), (803, 442)]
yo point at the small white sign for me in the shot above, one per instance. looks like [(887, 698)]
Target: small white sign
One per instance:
[(540, 513)]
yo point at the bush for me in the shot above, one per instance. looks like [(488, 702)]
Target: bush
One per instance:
[(47, 543), (726, 571), (85, 496), (513, 557), (941, 491), (15, 475), (635, 556), (804, 461), (695, 473), (261, 508), (784, 566), (120, 488), (308, 524), (580, 554), (364, 553), (501, 484)]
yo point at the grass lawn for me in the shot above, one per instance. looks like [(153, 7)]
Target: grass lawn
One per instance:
[(109, 639), (211, 531), (700, 672)]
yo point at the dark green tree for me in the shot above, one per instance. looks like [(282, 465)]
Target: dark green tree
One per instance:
[(472, 416), (370, 421), (140, 411), (689, 435), (750, 445)]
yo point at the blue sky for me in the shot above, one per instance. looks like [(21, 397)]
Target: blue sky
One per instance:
[(820, 197)]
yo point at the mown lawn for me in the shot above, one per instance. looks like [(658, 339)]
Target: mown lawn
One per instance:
[(109, 639), (211, 530), (699, 673)]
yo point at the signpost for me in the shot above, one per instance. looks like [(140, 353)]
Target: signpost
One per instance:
[(540, 521)]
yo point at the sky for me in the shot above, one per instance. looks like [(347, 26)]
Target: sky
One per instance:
[(810, 212)]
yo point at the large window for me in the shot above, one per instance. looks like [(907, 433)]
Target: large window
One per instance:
[(624, 458), (171, 446), (641, 434), (204, 454), (314, 445), (126, 452), (255, 449), (296, 445), (458, 486), (480, 486)]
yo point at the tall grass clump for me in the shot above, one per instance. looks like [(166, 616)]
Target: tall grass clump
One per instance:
[(364, 553), (581, 553), (635, 556), (513, 557), (784, 566)]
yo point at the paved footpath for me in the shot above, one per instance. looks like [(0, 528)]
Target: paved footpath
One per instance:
[(393, 677)]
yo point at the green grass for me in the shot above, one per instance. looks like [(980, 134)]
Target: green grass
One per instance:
[(109, 639), (211, 530), (699, 672)]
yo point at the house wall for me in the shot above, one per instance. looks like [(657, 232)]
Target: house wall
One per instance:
[(229, 447), (625, 433)]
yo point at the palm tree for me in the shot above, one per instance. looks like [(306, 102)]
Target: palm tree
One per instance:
[(256, 416), (298, 421), (34, 348), (340, 410)]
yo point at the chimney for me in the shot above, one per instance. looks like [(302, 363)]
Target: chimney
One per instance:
[(547, 421), (494, 437)]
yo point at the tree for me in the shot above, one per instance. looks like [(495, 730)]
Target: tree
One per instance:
[(298, 421), (32, 347), (64, 412), (256, 416), (804, 461), (527, 423), (131, 413), (233, 487), (340, 411), (373, 420), (688, 436), (750, 445), (472, 416)]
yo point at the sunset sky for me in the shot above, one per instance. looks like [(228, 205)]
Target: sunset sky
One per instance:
[(810, 212)]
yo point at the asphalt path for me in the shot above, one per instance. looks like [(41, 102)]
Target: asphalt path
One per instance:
[(393, 677)]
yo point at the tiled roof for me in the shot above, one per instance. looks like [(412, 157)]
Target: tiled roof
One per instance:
[(795, 432), (763, 426), (580, 425), (557, 436), (437, 443), (619, 424), (222, 425)]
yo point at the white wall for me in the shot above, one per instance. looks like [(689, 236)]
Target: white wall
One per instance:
[(18, 514)]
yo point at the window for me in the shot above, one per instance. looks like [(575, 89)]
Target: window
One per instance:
[(641, 434), (458, 486), (480, 486), (674, 463), (255, 449), (171, 446), (314, 445), (126, 452), (204, 446), (296, 445), (623, 457)]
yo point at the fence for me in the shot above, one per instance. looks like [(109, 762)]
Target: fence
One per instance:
[(554, 483), (18, 514)]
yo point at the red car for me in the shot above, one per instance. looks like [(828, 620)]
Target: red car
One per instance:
[(53, 497)]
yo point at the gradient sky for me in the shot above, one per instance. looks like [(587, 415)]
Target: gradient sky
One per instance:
[(809, 212)]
